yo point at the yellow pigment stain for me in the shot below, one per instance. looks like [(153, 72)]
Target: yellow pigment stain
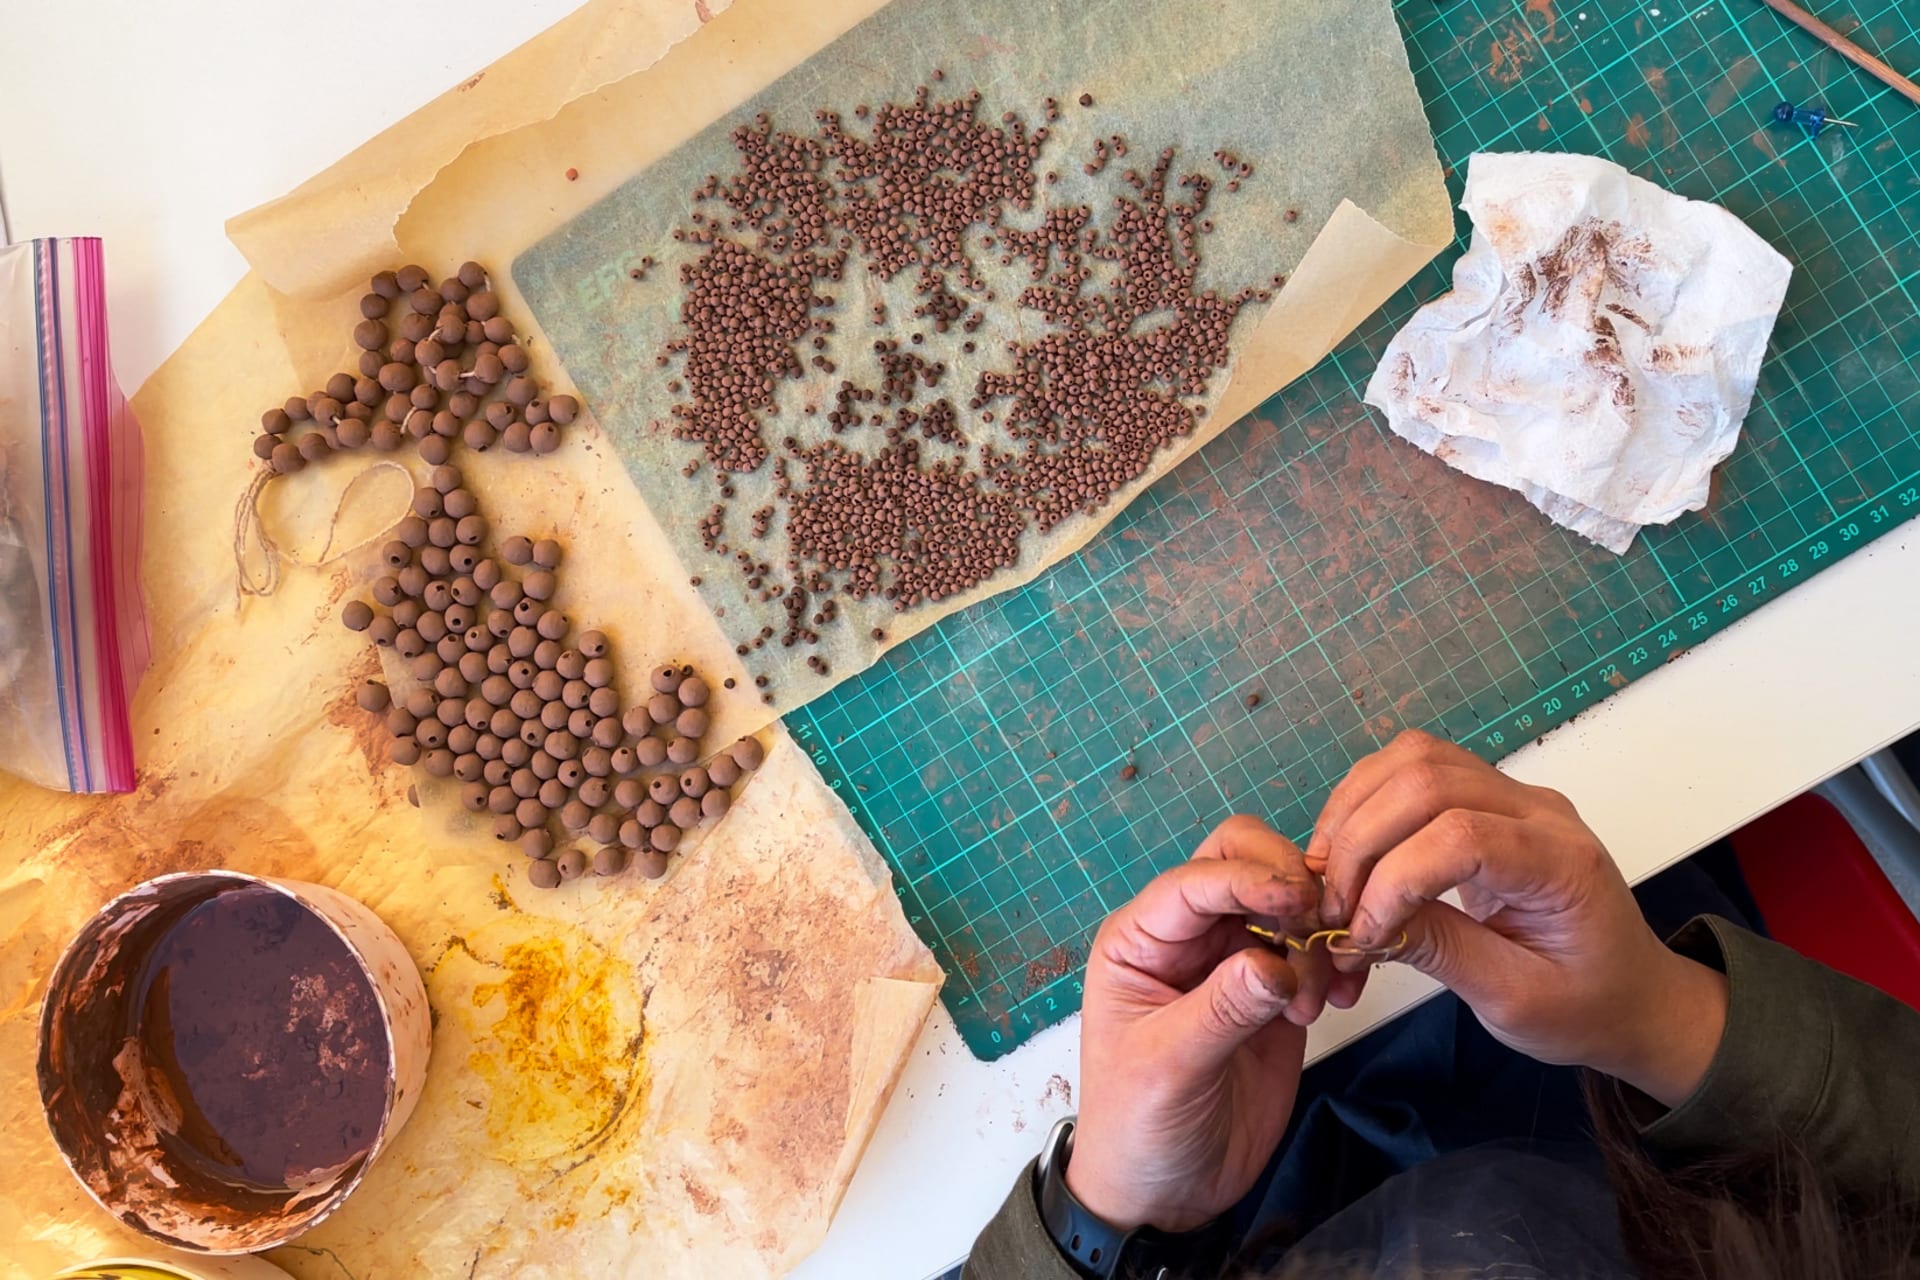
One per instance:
[(555, 1031)]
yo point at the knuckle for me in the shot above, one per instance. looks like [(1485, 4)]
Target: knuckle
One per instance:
[(1459, 830), (1423, 782)]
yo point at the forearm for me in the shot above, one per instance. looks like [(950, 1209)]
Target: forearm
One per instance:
[(1807, 1055)]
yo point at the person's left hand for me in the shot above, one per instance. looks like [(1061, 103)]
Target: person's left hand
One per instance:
[(1192, 1033)]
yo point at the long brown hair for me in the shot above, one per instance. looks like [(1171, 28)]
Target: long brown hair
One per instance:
[(1755, 1215)]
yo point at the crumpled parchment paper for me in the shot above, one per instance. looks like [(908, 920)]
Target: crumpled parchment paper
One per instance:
[(1599, 350), (507, 189), (670, 1078)]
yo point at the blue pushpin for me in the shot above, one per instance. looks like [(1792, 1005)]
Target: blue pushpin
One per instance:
[(1814, 118)]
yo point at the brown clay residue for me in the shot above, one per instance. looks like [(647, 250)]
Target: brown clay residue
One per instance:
[(1656, 79), (1591, 256), (1616, 679), (704, 1201), (1638, 135), (702, 12), (1605, 355), (472, 80), (1059, 1089), (1586, 106), (368, 731), (1510, 53), (1057, 963), (1677, 355), (1544, 9)]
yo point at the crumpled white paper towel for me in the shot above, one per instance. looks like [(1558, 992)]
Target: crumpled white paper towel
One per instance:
[(1599, 349)]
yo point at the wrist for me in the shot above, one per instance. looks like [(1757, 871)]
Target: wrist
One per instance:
[(1684, 1017), (1108, 1203)]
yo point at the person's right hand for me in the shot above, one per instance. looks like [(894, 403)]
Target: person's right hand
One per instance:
[(1551, 951)]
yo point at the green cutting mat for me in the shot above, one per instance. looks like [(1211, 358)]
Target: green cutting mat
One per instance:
[(1358, 586)]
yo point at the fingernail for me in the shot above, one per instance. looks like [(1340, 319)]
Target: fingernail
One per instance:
[(1332, 909), (1364, 927)]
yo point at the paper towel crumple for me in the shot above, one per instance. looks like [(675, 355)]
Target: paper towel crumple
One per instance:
[(1599, 349)]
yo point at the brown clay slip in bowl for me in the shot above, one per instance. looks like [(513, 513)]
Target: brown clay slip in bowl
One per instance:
[(222, 1056)]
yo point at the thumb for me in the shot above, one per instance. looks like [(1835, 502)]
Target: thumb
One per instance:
[(1457, 951), (1244, 993)]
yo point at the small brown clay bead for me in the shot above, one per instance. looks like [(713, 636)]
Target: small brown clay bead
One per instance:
[(449, 648), (553, 717), (436, 561), (650, 813), (605, 731), (610, 861), (574, 693), (594, 792), (383, 631), (461, 503), (296, 408), (525, 783), (536, 843), (497, 690), (684, 813), (514, 356), (562, 745), (462, 738), (497, 771), (544, 873), (629, 792), (546, 653), (502, 799), (714, 805), (478, 436), (370, 335), (427, 503), (438, 595), (420, 703), (432, 627), (651, 752), (547, 686), (264, 445), (430, 734), (571, 773), (473, 797), (313, 446), (450, 684), (507, 828), (531, 813), (517, 438), (683, 751), (553, 625), (632, 835), (467, 592), (597, 761), (599, 673), (546, 553), (516, 753), (353, 433), (694, 782), (575, 815), (572, 664), (435, 449), (554, 792), (408, 643), (693, 692), (357, 615), (572, 864), (472, 275), (539, 585), (457, 618), (666, 679), (665, 838), (471, 530), (663, 789), (403, 751), (603, 702), (604, 829), (438, 762), (373, 696), (722, 772), (519, 389), (543, 439), (564, 409), (463, 558), (386, 437), (467, 767), (748, 753), (287, 459), (691, 723), (663, 708)]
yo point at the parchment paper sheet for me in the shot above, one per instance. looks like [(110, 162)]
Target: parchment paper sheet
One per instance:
[(628, 1078), (508, 190)]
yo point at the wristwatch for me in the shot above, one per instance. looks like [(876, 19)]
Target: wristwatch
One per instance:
[(1098, 1249)]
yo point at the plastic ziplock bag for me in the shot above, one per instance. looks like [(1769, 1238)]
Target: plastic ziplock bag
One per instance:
[(73, 629)]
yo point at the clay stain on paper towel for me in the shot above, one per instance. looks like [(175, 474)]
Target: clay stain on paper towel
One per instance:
[(556, 1034)]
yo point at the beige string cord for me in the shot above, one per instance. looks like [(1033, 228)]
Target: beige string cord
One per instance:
[(249, 529)]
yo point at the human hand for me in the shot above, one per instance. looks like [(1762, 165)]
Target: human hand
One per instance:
[(1191, 1036), (1551, 951)]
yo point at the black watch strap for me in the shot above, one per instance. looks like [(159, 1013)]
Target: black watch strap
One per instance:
[(1098, 1249), (1089, 1242)]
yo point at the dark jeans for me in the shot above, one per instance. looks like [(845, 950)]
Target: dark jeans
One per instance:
[(1434, 1082)]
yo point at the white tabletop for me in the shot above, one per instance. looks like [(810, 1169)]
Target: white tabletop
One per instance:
[(149, 125)]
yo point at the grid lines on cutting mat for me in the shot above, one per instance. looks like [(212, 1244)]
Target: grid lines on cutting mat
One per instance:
[(1357, 586)]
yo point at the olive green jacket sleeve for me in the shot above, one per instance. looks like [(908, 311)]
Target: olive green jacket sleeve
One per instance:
[(1015, 1242), (1830, 1063)]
